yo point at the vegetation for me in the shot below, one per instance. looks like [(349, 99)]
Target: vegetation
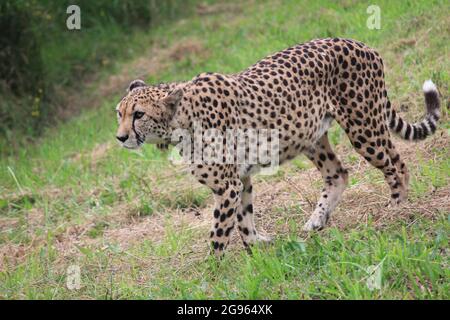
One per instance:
[(42, 59), (137, 226)]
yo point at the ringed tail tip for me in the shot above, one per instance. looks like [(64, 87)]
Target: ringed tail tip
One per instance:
[(429, 86)]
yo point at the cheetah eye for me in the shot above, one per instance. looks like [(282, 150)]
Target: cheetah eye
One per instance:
[(119, 114), (138, 114)]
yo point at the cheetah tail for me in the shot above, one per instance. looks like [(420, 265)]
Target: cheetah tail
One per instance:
[(419, 130)]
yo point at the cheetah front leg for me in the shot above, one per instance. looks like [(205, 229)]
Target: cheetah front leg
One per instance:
[(227, 196), (226, 206), (245, 217), (335, 179)]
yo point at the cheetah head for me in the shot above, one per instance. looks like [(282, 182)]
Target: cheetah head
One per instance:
[(144, 114)]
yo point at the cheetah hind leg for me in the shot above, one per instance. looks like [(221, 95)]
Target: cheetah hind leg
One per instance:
[(335, 180)]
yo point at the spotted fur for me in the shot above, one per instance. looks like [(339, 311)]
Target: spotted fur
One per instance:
[(299, 92)]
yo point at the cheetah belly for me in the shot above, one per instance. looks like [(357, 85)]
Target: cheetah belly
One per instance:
[(288, 150)]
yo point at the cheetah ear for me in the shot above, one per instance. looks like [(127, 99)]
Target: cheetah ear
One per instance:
[(172, 100), (136, 84)]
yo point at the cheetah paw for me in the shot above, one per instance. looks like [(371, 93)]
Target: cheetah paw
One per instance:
[(314, 223), (262, 241), (263, 238)]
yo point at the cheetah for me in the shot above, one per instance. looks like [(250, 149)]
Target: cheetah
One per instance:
[(298, 92)]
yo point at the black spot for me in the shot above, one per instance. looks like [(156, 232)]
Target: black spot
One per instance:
[(362, 139), (395, 159), (359, 114), (227, 232)]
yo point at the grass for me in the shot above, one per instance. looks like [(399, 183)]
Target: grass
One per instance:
[(137, 226)]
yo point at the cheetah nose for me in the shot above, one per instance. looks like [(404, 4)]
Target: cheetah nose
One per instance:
[(122, 138)]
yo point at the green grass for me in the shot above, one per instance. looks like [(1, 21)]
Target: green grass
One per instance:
[(60, 188), (433, 174), (330, 265)]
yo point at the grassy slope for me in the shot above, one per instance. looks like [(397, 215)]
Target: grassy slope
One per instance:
[(75, 198)]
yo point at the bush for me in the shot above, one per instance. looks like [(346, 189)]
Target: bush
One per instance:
[(21, 64)]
